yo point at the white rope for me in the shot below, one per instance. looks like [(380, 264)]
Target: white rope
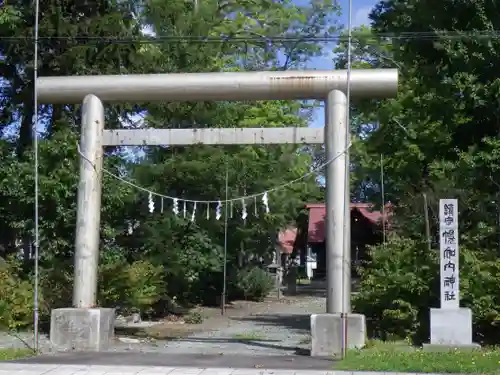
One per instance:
[(279, 187)]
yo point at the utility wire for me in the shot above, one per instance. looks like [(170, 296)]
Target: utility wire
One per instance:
[(338, 37)]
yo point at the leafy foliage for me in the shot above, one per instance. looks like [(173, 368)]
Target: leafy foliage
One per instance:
[(128, 286), (437, 138), (16, 298), (254, 283), (402, 281), (194, 318), (167, 260), (397, 286)]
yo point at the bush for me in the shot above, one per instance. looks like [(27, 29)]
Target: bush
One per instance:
[(16, 298), (301, 272), (56, 285), (194, 317), (127, 286), (254, 283), (131, 287), (401, 283)]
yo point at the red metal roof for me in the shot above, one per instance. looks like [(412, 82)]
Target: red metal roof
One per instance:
[(316, 229)]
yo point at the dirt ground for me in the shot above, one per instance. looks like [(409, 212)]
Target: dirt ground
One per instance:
[(272, 327), (213, 319)]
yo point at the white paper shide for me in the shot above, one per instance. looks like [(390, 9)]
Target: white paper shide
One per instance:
[(449, 272)]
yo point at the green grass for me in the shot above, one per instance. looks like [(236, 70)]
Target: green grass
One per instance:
[(12, 354), (403, 358), (303, 282)]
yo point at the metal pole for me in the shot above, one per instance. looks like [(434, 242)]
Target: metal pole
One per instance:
[(346, 280), (35, 146), (226, 204), (89, 204), (382, 192), (346, 308), (335, 135), (279, 270)]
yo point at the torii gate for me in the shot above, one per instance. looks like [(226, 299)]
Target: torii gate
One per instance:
[(85, 327)]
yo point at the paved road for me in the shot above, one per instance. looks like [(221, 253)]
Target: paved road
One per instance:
[(8, 369), (184, 360)]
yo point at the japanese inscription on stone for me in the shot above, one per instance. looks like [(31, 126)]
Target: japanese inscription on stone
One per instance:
[(448, 234)]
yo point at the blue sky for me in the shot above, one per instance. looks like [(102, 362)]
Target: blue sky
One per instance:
[(360, 11)]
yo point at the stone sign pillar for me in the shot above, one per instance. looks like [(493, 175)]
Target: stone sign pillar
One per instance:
[(451, 325)]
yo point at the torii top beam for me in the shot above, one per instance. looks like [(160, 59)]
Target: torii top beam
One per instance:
[(233, 86)]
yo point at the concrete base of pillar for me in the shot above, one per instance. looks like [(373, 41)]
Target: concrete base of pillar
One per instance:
[(83, 330), (326, 333), (451, 329)]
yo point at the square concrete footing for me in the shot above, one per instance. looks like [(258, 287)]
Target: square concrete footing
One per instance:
[(451, 329), (326, 333), (76, 329)]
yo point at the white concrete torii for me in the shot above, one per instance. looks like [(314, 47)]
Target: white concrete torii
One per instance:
[(327, 85)]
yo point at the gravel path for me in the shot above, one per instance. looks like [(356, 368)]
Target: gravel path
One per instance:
[(269, 328), (278, 329)]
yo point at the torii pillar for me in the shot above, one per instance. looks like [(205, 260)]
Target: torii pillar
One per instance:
[(84, 326)]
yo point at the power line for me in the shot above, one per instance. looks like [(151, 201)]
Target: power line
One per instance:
[(326, 38)]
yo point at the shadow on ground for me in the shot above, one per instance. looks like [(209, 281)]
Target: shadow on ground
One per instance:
[(317, 288), (257, 343), (297, 322), (306, 290)]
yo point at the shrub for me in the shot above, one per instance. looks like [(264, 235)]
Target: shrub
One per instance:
[(301, 272), (254, 283), (194, 317), (16, 298), (401, 283), (135, 286), (56, 284), (126, 286)]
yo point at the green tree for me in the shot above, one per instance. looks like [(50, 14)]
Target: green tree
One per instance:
[(108, 38), (198, 172), (438, 138)]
